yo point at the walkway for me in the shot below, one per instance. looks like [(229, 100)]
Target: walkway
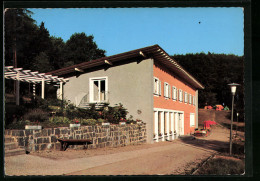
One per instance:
[(168, 158)]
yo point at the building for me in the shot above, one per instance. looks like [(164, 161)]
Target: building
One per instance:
[(147, 81)]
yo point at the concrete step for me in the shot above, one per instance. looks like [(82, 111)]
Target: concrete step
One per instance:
[(11, 146), (18, 151), (97, 106), (9, 139)]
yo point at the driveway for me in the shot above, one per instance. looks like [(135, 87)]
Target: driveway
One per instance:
[(164, 158)]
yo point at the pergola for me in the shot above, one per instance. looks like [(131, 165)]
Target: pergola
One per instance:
[(18, 74)]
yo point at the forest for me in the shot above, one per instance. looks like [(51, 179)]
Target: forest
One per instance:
[(30, 46)]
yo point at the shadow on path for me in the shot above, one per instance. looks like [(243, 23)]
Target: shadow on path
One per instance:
[(214, 145)]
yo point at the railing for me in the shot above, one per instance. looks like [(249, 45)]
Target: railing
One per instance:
[(101, 98)]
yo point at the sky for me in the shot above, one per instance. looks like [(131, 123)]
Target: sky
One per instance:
[(176, 30)]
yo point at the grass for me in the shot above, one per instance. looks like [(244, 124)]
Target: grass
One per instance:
[(222, 166)]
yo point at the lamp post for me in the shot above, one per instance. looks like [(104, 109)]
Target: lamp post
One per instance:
[(233, 87), (237, 122)]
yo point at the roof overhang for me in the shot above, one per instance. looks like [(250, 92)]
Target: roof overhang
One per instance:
[(155, 52)]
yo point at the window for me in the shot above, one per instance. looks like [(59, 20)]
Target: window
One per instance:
[(192, 119), (174, 93), (194, 100), (185, 97), (98, 91), (157, 86), (190, 98), (180, 95), (167, 90)]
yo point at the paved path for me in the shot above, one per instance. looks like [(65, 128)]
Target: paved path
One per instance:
[(171, 158)]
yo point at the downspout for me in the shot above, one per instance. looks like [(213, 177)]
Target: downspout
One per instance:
[(197, 108)]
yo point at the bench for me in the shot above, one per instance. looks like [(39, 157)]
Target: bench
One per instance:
[(66, 142)]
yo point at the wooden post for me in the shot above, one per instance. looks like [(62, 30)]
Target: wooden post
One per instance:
[(43, 88), (61, 90), (34, 90), (17, 94)]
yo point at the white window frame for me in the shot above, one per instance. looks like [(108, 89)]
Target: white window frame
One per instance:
[(180, 95), (167, 91), (192, 122), (190, 98), (158, 85), (185, 97), (91, 93), (174, 93)]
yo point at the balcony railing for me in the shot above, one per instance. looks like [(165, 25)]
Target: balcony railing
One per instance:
[(100, 100)]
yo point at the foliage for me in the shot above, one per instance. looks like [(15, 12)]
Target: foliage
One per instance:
[(221, 166), (81, 48), (17, 125), (37, 50), (36, 115), (20, 34), (13, 113), (59, 119), (215, 71), (114, 114), (89, 122)]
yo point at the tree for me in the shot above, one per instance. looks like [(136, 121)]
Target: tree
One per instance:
[(81, 48), (42, 63), (43, 40), (56, 53), (19, 38), (215, 71)]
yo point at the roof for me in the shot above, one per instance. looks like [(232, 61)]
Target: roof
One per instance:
[(29, 76), (154, 51)]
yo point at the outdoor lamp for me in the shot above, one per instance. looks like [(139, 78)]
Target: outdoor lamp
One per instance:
[(233, 87)]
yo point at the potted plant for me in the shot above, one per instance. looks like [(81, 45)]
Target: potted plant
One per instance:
[(33, 125), (106, 123), (138, 121), (75, 123), (122, 121)]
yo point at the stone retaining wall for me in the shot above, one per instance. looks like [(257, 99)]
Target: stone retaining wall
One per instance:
[(101, 136)]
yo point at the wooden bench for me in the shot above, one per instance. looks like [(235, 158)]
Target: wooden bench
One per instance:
[(66, 142)]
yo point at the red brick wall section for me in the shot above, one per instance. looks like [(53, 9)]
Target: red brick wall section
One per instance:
[(165, 75)]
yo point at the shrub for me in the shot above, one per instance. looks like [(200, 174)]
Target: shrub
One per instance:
[(59, 120), (100, 121), (114, 114), (90, 122), (17, 125), (13, 113), (220, 166), (36, 115)]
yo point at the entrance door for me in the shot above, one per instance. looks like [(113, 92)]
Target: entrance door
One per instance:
[(180, 124)]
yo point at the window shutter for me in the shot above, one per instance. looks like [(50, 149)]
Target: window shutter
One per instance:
[(164, 89), (177, 94), (172, 92), (160, 89), (169, 92), (154, 85)]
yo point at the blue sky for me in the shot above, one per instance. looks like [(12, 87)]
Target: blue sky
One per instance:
[(176, 30)]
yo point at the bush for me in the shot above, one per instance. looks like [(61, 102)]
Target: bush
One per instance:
[(89, 122), (36, 115), (13, 113), (220, 166), (17, 125), (114, 114), (58, 120)]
